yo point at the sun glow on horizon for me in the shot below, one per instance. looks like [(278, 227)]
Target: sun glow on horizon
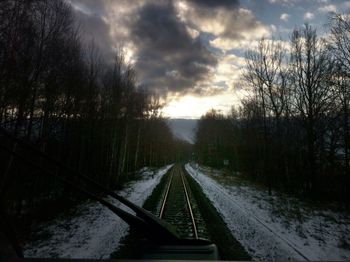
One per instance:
[(193, 107)]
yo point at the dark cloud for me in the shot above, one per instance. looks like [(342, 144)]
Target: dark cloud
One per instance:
[(237, 23), (241, 22), (95, 31), (95, 7), (168, 58), (93, 28), (215, 3)]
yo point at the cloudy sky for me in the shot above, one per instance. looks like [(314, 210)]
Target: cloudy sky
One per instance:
[(191, 51)]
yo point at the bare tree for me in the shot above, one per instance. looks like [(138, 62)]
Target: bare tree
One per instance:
[(311, 69), (340, 46), (266, 72)]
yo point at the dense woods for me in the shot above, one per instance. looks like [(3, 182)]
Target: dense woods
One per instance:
[(88, 112), (61, 95), (292, 132)]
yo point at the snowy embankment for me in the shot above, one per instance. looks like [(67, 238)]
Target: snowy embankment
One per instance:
[(272, 227), (95, 231)]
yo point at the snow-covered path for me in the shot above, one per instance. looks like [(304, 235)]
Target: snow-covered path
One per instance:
[(95, 231), (255, 221)]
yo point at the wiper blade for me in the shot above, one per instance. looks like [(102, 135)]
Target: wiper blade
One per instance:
[(145, 221)]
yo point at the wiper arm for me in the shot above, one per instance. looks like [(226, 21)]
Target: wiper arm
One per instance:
[(144, 221)]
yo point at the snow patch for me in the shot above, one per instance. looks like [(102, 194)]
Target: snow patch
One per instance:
[(272, 236), (95, 232)]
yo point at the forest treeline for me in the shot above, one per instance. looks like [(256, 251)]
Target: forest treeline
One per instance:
[(292, 130), (63, 96)]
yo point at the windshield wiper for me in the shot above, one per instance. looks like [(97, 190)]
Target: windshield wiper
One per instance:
[(153, 227)]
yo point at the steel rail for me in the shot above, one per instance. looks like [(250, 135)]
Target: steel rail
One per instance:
[(166, 194), (189, 206), (286, 241), (188, 202)]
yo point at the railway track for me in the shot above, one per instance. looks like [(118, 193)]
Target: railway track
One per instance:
[(179, 208)]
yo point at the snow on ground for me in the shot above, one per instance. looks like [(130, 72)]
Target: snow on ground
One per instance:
[(94, 232), (275, 227)]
